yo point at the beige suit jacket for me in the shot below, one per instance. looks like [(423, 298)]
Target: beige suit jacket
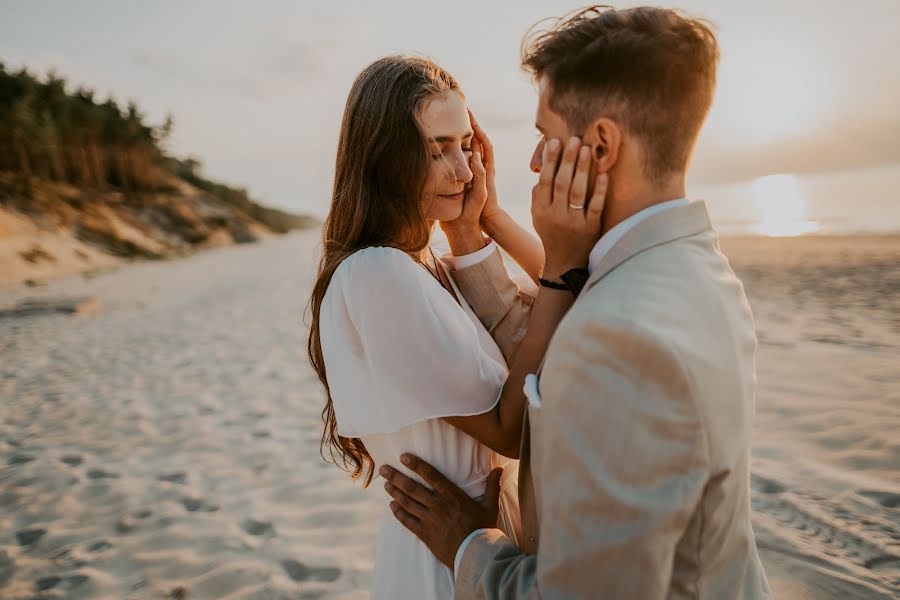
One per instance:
[(635, 461)]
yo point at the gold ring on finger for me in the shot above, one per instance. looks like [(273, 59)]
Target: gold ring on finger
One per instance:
[(575, 205)]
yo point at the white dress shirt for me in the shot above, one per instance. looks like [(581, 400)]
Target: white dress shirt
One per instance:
[(612, 237)]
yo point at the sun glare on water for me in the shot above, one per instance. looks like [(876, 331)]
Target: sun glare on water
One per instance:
[(781, 207)]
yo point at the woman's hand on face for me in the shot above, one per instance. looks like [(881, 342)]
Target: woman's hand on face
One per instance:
[(475, 196), (492, 205), (568, 225), (464, 232)]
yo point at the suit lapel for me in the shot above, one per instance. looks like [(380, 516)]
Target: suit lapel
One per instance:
[(669, 225), (672, 224)]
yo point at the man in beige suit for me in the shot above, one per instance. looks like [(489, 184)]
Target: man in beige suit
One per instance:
[(634, 474)]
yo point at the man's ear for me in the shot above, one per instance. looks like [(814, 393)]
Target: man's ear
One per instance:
[(606, 142)]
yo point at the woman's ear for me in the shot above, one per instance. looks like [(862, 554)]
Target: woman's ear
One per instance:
[(607, 139)]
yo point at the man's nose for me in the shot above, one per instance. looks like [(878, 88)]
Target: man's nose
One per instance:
[(536, 161)]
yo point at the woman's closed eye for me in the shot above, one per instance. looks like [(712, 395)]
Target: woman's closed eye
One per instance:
[(440, 155)]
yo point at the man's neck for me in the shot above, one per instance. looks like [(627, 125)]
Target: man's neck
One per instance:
[(631, 199)]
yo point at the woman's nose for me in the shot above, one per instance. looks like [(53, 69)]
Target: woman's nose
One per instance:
[(462, 170)]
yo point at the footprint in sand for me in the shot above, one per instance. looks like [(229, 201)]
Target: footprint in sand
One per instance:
[(195, 504), (300, 572), (101, 474), (126, 525), (129, 523), (27, 537), (64, 559), (99, 546), (73, 460), (47, 583), (176, 477), (19, 459), (254, 527)]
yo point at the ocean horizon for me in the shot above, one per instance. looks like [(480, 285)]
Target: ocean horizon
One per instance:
[(853, 202)]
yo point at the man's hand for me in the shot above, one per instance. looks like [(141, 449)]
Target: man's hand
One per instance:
[(568, 225), (443, 516)]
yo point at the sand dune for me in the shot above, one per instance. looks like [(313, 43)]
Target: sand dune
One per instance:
[(167, 445), (29, 253)]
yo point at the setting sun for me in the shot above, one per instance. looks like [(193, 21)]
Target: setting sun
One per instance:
[(782, 207)]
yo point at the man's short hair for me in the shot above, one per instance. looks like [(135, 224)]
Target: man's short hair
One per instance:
[(651, 69)]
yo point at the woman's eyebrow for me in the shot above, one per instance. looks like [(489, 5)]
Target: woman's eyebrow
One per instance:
[(440, 139)]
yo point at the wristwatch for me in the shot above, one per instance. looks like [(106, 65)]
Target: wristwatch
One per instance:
[(572, 280)]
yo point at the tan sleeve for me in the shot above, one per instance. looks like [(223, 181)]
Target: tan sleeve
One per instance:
[(619, 458), (497, 301), (492, 567)]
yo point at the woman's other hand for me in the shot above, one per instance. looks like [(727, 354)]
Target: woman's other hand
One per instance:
[(477, 194), (491, 207), (464, 232)]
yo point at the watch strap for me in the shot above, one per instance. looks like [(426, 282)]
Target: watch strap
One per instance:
[(552, 284)]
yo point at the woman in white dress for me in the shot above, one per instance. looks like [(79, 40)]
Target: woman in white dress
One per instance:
[(406, 364)]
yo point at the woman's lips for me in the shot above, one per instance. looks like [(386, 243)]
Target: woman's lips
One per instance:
[(457, 196)]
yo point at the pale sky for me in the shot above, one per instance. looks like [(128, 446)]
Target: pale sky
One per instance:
[(257, 88)]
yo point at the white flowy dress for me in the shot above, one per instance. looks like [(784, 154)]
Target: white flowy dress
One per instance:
[(400, 353)]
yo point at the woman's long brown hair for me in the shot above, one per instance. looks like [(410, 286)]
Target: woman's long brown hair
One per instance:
[(380, 170)]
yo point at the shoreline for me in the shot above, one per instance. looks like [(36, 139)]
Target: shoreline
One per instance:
[(73, 258)]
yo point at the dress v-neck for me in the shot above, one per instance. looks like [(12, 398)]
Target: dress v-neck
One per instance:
[(441, 276), (445, 279)]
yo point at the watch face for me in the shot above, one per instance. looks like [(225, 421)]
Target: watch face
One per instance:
[(575, 279)]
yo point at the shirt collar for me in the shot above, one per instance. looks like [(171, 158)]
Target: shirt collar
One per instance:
[(605, 243)]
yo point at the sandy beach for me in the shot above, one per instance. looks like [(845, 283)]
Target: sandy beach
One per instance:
[(166, 445)]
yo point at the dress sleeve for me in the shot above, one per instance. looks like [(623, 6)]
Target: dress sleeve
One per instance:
[(398, 349)]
